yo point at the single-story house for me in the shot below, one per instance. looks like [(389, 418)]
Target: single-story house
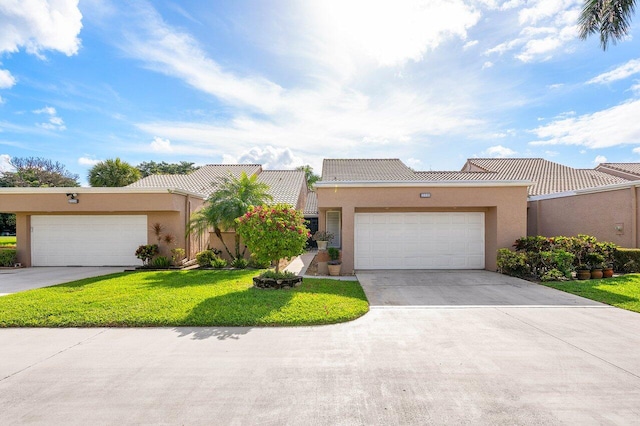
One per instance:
[(104, 226), (602, 202), (387, 216)]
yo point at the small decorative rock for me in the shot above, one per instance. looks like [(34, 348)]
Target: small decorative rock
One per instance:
[(266, 283)]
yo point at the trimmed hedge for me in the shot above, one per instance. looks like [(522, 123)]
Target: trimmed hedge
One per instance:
[(627, 260), (7, 257)]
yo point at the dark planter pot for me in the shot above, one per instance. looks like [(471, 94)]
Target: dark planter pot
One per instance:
[(596, 274), (276, 284), (334, 269), (583, 274), (607, 273)]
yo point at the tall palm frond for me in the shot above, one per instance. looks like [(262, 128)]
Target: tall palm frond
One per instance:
[(611, 18)]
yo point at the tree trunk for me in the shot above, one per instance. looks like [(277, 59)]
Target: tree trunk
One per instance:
[(277, 265), (219, 235), (237, 239)]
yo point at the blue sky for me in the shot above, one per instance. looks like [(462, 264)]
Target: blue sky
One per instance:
[(286, 83)]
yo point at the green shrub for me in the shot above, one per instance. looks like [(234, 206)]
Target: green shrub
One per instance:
[(7, 257), (240, 263), (277, 275), (177, 254), (205, 257), (626, 260), (161, 262), (554, 275), (512, 263), (146, 252), (219, 263)]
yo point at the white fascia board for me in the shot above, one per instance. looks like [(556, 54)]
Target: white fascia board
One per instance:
[(594, 190), (92, 190), (422, 184)]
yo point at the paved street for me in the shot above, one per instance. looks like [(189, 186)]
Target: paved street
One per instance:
[(546, 361)]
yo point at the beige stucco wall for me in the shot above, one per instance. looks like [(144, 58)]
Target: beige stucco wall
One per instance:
[(505, 210), (172, 211), (596, 214)]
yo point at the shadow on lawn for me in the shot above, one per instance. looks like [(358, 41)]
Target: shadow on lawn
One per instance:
[(176, 279)]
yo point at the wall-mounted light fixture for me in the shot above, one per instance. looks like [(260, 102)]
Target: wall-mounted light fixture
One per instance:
[(72, 198)]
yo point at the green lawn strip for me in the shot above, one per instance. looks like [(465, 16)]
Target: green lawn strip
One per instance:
[(182, 298), (622, 292), (7, 241)]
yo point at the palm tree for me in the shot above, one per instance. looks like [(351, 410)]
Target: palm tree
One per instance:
[(611, 18), (113, 173), (232, 198)]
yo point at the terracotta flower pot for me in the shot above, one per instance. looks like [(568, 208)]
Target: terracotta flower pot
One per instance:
[(607, 273), (322, 245), (596, 274), (334, 270), (583, 274)]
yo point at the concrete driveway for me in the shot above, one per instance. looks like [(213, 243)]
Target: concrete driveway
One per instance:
[(501, 359), (20, 279)]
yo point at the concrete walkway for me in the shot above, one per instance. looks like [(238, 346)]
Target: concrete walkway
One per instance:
[(20, 279), (507, 360)]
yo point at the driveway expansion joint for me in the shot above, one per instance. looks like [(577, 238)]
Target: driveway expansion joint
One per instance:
[(53, 356)]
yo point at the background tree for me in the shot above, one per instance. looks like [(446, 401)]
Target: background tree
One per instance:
[(273, 232), (610, 18), (113, 173), (149, 168), (310, 176), (232, 198), (37, 172), (33, 172)]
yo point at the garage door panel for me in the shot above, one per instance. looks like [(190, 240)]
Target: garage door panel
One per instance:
[(421, 240), (87, 240)]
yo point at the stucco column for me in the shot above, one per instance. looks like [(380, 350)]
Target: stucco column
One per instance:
[(23, 238), (348, 235)]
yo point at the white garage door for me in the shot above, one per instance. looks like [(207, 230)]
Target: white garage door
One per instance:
[(87, 240), (419, 240)]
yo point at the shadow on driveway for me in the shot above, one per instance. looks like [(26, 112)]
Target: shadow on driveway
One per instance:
[(385, 288)]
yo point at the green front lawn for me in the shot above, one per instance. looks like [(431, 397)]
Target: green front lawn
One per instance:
[(623, 291), (7, 241), (182, 298)]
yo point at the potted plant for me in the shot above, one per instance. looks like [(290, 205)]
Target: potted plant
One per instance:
[(334, 264), (322, 238), (608, 251), (596, 260)]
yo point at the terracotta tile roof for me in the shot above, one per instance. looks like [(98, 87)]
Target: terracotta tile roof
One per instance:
[(365, 170), (631, 168), (311, 205), (548, 177), (285, 186)]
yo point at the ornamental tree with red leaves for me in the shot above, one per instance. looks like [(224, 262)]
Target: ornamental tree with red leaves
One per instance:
[(273, 232)]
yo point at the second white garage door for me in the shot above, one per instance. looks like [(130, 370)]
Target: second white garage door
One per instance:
[(443, 240), (105, 240)]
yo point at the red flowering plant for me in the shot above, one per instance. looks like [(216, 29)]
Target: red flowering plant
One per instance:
[(273, 232)]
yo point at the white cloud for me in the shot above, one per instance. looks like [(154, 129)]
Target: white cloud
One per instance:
[(487, 65), (636, 150), (546, 27), (602, 129), (551, 153), (623, 71), (498, 151), (177, 54), (635, 88), (599, 159), (5, 163), (414, 163), (6, 79), (269, 157), (86, 161), (390, 33), (39, 25), (54, 122), (470, 44), (161, 145)]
